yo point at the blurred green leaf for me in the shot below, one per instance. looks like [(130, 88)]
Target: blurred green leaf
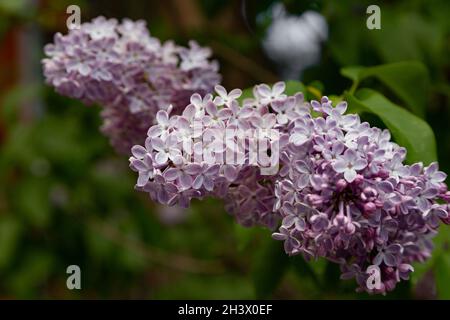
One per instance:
[(293, 87), (353, 73), (243, 236), (270, 266), (304, 269), (317, 85), (442, 276), (60, 141), (331, 276), (407, 35), (441, 244), (408, 80), (13, 151), (408, 130), (33, 272), (345, 33), (99, 248), (12, 101), (32, 199), (14, 7), (10, 231)]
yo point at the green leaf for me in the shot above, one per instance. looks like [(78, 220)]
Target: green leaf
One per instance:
[(332, 276), (246, 94), (293, 87), (32, 200), (244, 236), (408, 80), (353, 73), (10, 231), (407, 129), (441, 243), (442, 276), (16, 97), (270, 266), (408, 34), (34, 271), (304, 269)]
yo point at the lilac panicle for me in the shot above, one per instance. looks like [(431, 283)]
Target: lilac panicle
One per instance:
[(345, 194), (342, 191), (170, 173), (131, 74)]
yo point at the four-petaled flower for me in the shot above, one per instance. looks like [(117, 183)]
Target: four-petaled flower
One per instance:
[(348, 164)]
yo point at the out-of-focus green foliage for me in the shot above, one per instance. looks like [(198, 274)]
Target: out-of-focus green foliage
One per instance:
[(271, 264), (408, 130), (408, 80)]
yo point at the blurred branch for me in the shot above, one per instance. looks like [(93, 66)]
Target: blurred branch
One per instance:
[(242, 62), (188, 14), (156, 255)]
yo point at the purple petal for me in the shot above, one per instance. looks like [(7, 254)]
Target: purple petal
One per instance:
[(143, 178), (161, 158), (198, 182), (139, 165), (171, 174), (278, 88), (162, 117), (185, 181), (339, 166), (230, 173), (360, 164), (350, 175), (390, 259), (138, 151)]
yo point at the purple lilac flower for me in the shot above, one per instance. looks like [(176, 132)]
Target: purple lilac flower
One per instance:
[(342, 191), (129, 73), (169, 165), (351, 199)]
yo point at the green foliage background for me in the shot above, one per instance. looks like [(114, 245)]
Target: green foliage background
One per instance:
[(67, 198)]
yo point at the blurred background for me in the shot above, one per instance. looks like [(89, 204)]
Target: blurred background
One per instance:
[(66, 198)]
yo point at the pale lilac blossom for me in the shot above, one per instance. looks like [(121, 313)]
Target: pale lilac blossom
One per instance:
[(129, 73)]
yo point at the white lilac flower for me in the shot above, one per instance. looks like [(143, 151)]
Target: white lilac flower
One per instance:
[(266, 94), (226, 98)]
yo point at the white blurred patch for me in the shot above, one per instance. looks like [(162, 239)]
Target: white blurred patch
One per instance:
[(294, 42)]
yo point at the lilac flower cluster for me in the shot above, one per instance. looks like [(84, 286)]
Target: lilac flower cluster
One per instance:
[(173, 164), (342, 191), (129, 73), (251, 201), (345, 194)]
